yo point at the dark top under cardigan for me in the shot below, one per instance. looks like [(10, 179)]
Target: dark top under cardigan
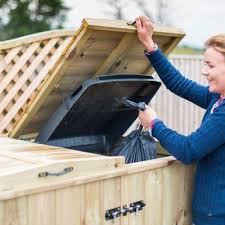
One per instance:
[(205, 146)]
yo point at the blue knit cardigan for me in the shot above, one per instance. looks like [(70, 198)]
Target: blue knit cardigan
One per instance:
[(205, 146)]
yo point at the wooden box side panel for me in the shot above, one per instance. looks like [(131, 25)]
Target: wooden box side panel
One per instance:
[(166, 192)]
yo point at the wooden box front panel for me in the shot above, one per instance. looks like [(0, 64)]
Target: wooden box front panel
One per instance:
[(166, 192)]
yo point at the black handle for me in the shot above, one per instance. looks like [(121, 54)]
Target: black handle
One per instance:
[(131, 23), (134, 105)]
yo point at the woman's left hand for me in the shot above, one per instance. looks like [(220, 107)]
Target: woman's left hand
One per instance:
[(147, 116), (145, 30)]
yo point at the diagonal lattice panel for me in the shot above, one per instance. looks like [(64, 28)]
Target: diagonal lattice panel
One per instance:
[(22, 70)]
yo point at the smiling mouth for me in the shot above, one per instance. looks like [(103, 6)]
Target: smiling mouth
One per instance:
[(209, 80)]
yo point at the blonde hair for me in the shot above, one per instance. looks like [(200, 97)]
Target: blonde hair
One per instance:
[(217, 42)]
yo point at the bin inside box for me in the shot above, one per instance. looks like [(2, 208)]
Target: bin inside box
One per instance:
[(94, 117)]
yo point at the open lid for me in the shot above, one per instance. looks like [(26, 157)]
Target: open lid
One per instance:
[(39, 69), (97, 108)]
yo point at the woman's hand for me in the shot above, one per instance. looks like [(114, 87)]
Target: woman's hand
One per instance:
[(147, 116), (145, 30)]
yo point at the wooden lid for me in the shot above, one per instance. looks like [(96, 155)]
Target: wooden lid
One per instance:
[(38, 72), (25, 163)]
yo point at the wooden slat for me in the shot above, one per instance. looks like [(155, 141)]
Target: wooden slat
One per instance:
[(24, 150), (136, 193), (124, 197), (12, 165), (35, 38), (109, 25), (41, 209), (68, 206), (92, 202), (121, 26), (112, 197), (116, 53), (153, 197), (8, 58), (14, 212), (173, 191), (8, 154)]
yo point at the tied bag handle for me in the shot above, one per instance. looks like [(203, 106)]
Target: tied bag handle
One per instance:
[(135, 105)]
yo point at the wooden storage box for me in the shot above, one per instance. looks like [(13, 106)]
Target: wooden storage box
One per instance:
[(46, 185), (31, 193)]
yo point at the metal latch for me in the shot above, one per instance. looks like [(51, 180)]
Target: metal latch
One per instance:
[(112, 214), (125, 210), (136, 206)]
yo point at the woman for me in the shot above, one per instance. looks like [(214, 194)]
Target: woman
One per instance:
[(206, 145)]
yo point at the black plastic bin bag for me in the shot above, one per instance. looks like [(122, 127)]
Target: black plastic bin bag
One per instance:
[(137, 146)]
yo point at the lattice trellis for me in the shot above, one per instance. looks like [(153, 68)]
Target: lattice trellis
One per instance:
[(24, 65)]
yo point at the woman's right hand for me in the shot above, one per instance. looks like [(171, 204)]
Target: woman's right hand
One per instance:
[(145, 30), (147, 116)]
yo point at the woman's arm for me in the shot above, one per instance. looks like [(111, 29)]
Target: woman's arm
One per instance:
[(170, 76), (177, 83), (207, 138)]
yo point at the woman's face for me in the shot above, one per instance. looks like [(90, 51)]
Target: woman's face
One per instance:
[(214, 70)]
